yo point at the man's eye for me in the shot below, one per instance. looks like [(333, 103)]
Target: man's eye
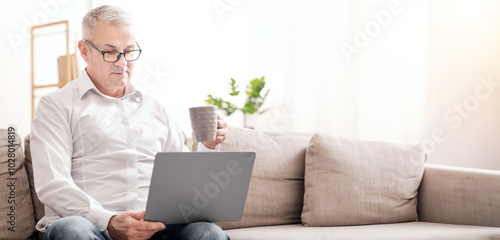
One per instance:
[(111, 54)]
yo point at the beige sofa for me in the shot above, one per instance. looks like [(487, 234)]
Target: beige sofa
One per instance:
[(317, 187)]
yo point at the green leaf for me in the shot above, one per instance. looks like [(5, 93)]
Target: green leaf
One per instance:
[(252, 103), (263, 111), (229, 108), (214, 101), (249, 108), (254, 87), (234, 88)]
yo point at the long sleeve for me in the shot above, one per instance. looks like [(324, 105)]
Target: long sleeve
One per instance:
[(51, 148), (202, 148)]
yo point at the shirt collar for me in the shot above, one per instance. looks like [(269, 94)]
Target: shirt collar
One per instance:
[(86, 85)]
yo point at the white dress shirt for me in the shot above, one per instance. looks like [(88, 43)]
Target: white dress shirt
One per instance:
[(93, 154)]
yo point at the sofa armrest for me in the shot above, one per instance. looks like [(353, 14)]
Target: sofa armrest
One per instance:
[(459, 196)]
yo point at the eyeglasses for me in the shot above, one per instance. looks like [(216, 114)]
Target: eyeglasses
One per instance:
[(114, 56)]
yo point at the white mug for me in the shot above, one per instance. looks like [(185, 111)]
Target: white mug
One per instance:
[(204, 123)]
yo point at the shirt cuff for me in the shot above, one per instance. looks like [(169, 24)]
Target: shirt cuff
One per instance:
[(202, 148), (101, 218)]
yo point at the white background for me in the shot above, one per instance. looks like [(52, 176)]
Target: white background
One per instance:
[(413, 65)]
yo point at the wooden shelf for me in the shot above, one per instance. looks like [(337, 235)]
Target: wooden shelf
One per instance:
[(62, 81)]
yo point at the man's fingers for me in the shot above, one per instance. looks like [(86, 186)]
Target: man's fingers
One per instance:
[(221, 132), (220, 140), (136, 215), (221, 123), (150, 226), (129, 225)]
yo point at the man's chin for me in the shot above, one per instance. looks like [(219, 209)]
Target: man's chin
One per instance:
[(122, 77)]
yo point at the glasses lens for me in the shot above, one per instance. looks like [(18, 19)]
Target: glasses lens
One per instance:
[(129, 56), (132, 55), (111, 56)]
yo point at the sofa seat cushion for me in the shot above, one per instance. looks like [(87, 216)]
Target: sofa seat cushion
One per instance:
[(277, 185), (394, 231)]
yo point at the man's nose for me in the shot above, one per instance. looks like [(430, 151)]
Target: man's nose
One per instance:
[(121, 62)]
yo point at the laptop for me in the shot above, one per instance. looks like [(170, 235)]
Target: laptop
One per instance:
[(191, 187)]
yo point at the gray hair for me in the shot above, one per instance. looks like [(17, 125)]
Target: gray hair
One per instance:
[(110, 14)]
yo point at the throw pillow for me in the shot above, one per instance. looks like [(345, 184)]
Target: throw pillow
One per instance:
[(277, 185), (350, 182)]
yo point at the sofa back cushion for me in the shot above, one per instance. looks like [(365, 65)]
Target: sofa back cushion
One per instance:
[(37, 205), (16, 220), (351, 182), (276, 190)]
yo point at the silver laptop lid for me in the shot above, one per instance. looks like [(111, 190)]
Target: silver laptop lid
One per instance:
[(199, 186)]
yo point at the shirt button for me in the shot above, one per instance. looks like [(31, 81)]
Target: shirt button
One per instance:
[(124, 122), (131, 162), (130, 146)]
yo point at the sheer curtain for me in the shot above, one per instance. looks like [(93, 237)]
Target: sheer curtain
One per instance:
[(351, 68)]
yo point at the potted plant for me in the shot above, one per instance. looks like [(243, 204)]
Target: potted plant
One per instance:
[(253, 102)]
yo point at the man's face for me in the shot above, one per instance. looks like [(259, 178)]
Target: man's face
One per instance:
[(110, 78)]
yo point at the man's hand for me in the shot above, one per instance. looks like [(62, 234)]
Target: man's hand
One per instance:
[(221, 133), (128, 225)]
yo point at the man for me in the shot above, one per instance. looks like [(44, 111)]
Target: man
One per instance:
[(94, 141)]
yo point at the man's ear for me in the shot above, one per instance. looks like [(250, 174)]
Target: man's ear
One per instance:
[(84, 50)]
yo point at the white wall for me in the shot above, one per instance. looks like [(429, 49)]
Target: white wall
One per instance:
[(16, 19), (464, 48)]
